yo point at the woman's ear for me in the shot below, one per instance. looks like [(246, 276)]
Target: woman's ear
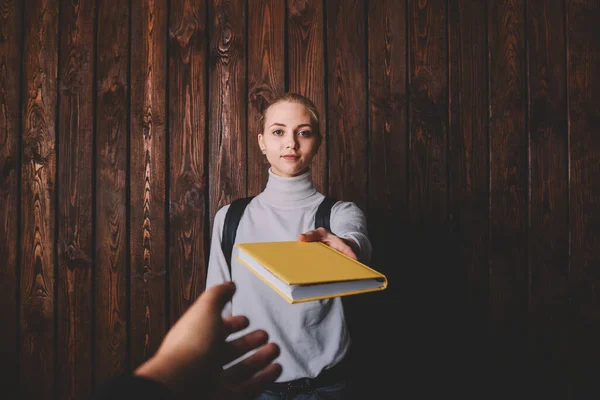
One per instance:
[(261, 143)]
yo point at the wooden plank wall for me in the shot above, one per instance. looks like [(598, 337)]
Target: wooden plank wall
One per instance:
[(465, 130)]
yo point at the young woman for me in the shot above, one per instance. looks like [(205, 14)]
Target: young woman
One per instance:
[(312, 336)]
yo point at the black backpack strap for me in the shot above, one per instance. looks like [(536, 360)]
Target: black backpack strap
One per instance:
[(323, 215), (232, 220)]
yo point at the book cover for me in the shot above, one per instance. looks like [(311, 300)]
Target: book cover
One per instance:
[(304, 271)]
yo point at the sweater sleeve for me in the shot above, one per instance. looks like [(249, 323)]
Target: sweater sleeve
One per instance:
[(349, 222), (218, 271)]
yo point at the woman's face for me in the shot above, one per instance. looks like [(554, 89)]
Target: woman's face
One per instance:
[(289, 140)]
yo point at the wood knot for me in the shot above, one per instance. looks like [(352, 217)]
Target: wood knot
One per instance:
[(74, 257), (297, 7)]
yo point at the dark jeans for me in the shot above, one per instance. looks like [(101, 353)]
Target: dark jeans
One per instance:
[(336, 391)]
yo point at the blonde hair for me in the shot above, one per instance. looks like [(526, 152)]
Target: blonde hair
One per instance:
[(294, 98)]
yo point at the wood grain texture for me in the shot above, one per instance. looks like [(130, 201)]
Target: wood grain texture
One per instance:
[(549, 201), (38, 172), (111, 187), (147, 177), (306, 71), (388, 137), (188, 149), (583, 83), (227, 99), (508, 173), (458, 126), (75, 251), (11, 39), (434, 275), (468, 174), (387, 188), (347, 101), (428, 110), (266, 74), (468, 155)]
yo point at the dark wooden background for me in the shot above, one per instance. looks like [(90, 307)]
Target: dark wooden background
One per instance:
[(466, 130)]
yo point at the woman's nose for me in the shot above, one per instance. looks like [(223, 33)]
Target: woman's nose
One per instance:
[(290, 142)]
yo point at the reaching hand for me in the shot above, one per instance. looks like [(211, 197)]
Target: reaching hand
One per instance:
[(191, 356), (322, 235)]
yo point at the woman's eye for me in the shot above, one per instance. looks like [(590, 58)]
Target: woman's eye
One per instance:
[(278, 132), (305, 133)]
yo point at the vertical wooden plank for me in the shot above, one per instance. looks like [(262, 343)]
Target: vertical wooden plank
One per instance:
[(346, 57), (388, 138), (387, 182), (188, 146), (468, 154), (468, 164), (433, 275), (549, 202), (147, 177), (75, 133), (428, 122), (11, 14), (306, 70), (266, 70), (227, 99), (508, 176), (583, 64), (111, 188), (38, 172)]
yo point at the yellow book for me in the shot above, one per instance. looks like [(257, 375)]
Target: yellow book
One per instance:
[(306, 271)]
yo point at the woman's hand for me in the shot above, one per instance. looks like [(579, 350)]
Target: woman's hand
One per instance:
[(344, 246)]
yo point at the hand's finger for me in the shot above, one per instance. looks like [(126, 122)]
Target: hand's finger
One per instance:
[(350, 254), (209, 304), (217, 296), (344, 249), (242, 345), (249, 366), (259, 382), (316, 235), (234, 324)]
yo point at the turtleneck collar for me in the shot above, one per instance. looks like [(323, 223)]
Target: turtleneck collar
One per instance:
[(282, 191)]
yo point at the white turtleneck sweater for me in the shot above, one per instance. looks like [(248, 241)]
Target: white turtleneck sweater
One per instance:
[(312, 336)]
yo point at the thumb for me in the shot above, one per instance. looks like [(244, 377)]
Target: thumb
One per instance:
[(216, 297)]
